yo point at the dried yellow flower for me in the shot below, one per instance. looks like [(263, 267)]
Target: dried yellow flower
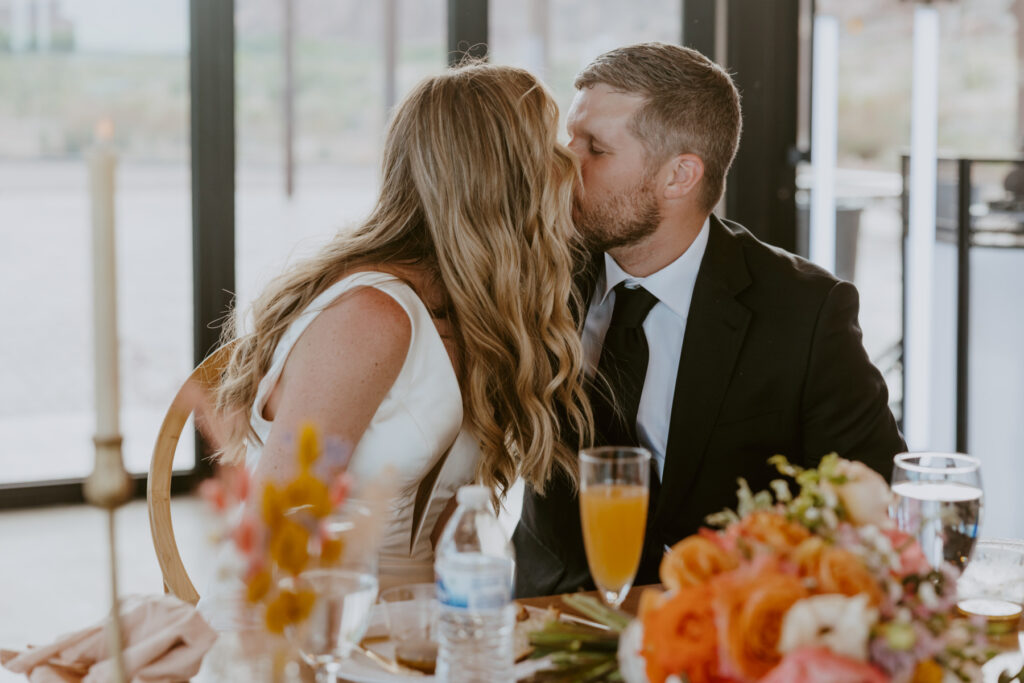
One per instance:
[(309, 446), (289, 608), (289, 547), (274, 505), (331, 551), (258, 586), (927, 671), (307, 491)]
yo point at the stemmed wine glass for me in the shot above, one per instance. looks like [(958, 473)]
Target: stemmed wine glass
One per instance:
[(337, 622), (938, 500), (613, 511), (343, 595)]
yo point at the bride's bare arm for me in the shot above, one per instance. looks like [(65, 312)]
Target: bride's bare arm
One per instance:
[(337, 374)]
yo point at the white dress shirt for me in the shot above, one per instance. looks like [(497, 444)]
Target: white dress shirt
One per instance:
[(664, 328)]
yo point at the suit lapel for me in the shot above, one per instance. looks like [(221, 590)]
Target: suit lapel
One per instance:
[(715, 328)]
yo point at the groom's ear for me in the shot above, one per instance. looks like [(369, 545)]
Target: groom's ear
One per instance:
[(685, 172)]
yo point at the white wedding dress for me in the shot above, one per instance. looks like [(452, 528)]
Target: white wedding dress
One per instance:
[(419, 419)]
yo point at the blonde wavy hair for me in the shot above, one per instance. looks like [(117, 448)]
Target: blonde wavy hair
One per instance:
[(476, 191)]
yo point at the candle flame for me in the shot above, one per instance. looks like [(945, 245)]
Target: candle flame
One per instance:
[(104, 130)]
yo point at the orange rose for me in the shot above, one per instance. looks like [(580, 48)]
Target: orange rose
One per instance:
[(693, 561), (749, 606), (773, 530), (650, 599), (680, 637), (840, 571)]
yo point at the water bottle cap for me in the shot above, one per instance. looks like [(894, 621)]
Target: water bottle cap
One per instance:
[(473, 495)]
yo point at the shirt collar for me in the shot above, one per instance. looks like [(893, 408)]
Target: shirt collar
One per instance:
[(672, 285)]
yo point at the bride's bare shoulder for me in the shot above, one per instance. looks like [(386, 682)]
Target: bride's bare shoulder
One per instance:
[(367, 318)]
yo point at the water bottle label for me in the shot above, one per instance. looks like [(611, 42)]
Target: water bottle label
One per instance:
[(469, 588)]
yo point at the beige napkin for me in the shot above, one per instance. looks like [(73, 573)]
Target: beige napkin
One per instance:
[(164, 640)]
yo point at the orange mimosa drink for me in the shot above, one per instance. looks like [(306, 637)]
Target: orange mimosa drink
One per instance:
[(614, 517)]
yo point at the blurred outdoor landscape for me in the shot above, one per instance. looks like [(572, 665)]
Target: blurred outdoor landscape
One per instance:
[(66, 65)]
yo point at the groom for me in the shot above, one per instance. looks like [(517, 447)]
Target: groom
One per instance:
[(719, 350)]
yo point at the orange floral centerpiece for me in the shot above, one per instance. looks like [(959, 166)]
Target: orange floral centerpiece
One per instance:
[(283, 531), (816, 586)]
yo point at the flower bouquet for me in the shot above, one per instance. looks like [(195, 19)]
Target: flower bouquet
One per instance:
[(279, 530), (816, 586)]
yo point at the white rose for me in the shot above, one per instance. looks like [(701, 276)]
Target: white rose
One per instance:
[(865, 495), (837, 622)]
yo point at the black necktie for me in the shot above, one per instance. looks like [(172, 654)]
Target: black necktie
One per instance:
[(615, 397), (622, 368)]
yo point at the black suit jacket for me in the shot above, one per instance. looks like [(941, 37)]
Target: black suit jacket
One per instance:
[(772, 362)]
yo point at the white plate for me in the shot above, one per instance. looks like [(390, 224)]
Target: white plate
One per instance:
[(360, 669)]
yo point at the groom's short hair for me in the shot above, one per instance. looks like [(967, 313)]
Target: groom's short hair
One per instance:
[(691, 105)]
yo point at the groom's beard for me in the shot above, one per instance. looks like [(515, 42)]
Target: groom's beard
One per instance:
[(617, 220)]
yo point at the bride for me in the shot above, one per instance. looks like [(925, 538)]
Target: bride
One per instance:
[(437, 333)]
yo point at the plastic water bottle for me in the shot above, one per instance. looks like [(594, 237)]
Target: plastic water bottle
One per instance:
[(474, 569)]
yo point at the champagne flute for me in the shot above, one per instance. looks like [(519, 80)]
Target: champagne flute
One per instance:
[(938, 500), (613, 512)]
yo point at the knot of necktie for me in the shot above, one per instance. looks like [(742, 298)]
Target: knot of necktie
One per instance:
[(631, 306)]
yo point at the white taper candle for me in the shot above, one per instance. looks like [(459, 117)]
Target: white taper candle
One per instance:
[(102, 166)]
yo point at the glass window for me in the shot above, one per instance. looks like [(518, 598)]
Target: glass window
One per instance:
[(556, 38), (66, 66), (979, 117), (340, 115)]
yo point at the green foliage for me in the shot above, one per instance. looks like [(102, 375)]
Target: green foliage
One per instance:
[(579, 652), (816, 505)]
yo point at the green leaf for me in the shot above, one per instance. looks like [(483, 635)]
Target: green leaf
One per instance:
[(722, 519), (593, 608), (781, 489), (784, 466)]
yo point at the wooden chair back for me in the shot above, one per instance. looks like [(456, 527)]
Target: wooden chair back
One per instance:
[(158, 487)]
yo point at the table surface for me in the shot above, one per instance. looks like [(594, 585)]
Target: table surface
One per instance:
[(260, 657), (268, 659)]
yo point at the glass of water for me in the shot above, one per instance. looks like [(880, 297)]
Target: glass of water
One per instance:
[(342, 602), (938, 500)]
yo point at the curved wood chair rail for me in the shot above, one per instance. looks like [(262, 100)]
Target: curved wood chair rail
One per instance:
[(158, 487)]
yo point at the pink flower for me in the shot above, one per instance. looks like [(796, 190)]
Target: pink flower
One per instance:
[(912, 559), (339, 488), (812, 665), (212, 491), (238, 483), (246, 534), (865, 494)]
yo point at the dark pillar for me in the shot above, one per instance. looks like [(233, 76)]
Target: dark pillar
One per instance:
[(213, 167), (762, 51), (699, 26), (212, 34), (467, 30)]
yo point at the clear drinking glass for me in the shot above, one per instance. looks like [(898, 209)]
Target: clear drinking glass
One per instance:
[(338, 620), (992, 586), (938, 500), (411, 614), (613, 510)]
